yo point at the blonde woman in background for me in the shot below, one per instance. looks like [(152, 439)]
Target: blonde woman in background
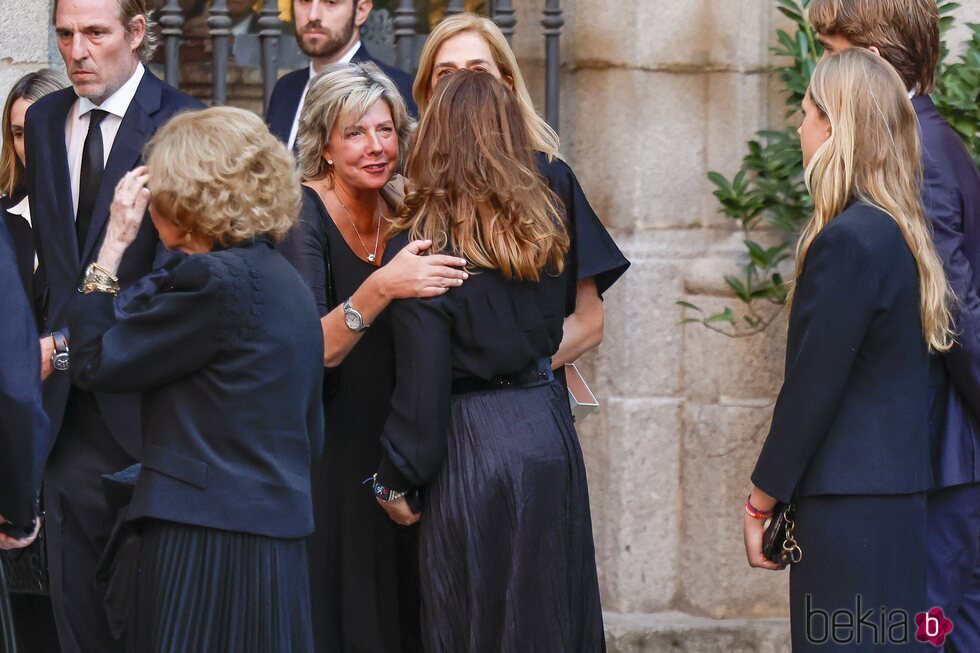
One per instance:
[(468, 41), (849, 441)]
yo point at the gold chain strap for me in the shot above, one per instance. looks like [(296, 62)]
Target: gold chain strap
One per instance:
[(791, 549)]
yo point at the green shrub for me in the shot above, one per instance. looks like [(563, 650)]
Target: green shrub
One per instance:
[(768, 191)]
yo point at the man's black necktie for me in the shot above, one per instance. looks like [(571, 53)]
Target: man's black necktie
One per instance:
[(90, 177)]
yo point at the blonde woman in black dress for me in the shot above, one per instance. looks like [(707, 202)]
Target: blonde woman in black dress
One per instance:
[(352, 132)]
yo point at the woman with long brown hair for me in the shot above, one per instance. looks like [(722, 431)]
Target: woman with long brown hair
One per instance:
[(477, 420), (470, 42), (849, 441)]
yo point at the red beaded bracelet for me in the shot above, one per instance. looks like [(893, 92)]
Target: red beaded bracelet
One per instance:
[(754, 512)]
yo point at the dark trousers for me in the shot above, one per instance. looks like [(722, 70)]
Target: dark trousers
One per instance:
[(34, 624), (954, 562), (79, 523), (863, 569)]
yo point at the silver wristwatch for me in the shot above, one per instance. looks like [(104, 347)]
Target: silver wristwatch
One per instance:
[(59, 357), (352, 318)]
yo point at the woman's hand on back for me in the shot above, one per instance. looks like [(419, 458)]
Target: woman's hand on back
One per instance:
[(412, 274), (399, 511)]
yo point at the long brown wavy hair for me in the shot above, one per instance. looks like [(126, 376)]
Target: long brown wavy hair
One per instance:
[(474, 189)]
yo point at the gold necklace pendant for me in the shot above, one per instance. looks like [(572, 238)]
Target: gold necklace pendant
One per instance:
[(371, 256)]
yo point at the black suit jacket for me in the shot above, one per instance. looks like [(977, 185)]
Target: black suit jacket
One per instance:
[(951, 197), (852, 415), (289, 91), (23, 424), (227, 351), (22, 238), (49, 190)]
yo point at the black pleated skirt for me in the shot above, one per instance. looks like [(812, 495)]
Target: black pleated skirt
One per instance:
[(201, 590), (863, 569), (506, 551)]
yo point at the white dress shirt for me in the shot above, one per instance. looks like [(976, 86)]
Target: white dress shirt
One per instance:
[(23, 209), (76, 128), (347, 56)]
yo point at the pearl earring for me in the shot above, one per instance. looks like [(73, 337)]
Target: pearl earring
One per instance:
[(329, 162)]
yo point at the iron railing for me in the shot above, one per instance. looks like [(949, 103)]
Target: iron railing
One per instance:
[(405, 44)]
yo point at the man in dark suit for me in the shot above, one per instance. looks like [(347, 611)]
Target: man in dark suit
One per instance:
[(906, 34), (80, 141), (24, 426), (327, 32)]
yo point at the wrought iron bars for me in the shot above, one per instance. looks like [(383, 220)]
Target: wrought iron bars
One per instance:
[(503, 15), (172, 24), (405, 35), (220, 24), (270, 29), (552, 24)]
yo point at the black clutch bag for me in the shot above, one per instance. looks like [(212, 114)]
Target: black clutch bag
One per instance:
[(779, 544)]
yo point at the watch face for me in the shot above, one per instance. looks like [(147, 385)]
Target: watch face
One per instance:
[(353, 321), (60, 362)]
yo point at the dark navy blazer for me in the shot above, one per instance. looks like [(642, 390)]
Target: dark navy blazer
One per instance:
[(289, 91), (61, 267), (951, 196), (23, 424), (22, 237), (227, 352), (852, 414)]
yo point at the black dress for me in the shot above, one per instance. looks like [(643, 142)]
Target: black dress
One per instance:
[(364, 567), (478, 420), (593, 253), (363, 574)]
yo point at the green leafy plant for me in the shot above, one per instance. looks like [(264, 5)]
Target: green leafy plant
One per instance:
[(767, 193), (957, 93), (767, 197)]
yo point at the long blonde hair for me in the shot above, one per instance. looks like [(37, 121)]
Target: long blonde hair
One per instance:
[(873, 156), (474, 188), (543, 137)]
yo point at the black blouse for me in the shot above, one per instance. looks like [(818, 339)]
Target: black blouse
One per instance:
[(488, 327)]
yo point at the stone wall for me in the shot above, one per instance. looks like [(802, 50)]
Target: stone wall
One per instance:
[(655, 93), (25, 40)]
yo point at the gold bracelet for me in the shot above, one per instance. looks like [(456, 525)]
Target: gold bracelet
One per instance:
[(96, 267), (95, 286), (98, 279)]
